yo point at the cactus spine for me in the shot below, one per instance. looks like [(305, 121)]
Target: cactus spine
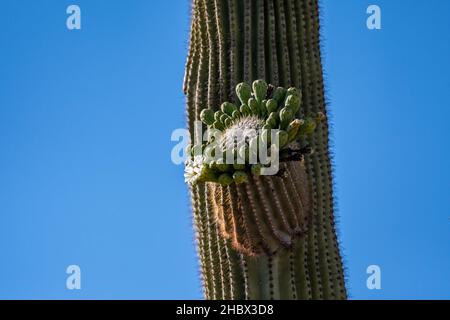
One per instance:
[(243, 253)]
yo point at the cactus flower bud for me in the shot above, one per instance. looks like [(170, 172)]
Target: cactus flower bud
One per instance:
[(308, 127), (320, 117), (271, 106), (228, 122), (254, 106), (286, 115), (222, 167), (262, 108), (223, 117), (240, 177), (256, 169), (283, 138), (271, 123), (225, 179), (209, 177), (293, 92), (218, 125), (245, 110), (260, 89), (228, 108), (244, 92), (217, 115), (293, 102), (293, 128), (279, 94), (207, 116), (236, 114), (274, 116)]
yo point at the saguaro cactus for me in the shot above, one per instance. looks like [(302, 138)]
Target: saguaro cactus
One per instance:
[(263, 237)]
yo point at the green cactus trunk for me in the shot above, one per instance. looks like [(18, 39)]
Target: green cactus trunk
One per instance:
[(276, 40)]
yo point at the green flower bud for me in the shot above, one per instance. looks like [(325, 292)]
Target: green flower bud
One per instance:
[(218, 125), (217, 115), (225, 179), (228, 108), (228, 122), (271, 123), (286, 115), (308, 127), (256, 169), (262, 108), (245, 110), (240, 177), (244, 92), (294, 92), (283, 138), (260, 89), (212, 178), (254, 106), (207, 116), (293, 128), (223, 117), (293, 102), (271, 106), (236, 114), (208, 176), (274, 116), (279, 94), (320, 117)]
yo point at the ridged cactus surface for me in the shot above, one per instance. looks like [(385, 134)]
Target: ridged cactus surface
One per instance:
[(266, 237)]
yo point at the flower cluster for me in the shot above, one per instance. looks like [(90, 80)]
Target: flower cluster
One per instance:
[(266, 122)]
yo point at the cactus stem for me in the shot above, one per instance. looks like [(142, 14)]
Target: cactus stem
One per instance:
[(267, 237)]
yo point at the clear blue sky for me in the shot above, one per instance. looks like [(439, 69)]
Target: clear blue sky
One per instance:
[(85, 170)]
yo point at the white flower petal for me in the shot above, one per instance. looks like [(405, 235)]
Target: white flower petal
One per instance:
[(193, 169)]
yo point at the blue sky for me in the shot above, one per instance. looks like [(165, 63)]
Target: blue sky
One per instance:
[(85, 170)]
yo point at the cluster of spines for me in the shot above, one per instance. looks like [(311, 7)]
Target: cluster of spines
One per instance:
[(277, 40)]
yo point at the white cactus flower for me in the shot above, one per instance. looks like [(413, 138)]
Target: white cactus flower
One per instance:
[(193, 169)]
